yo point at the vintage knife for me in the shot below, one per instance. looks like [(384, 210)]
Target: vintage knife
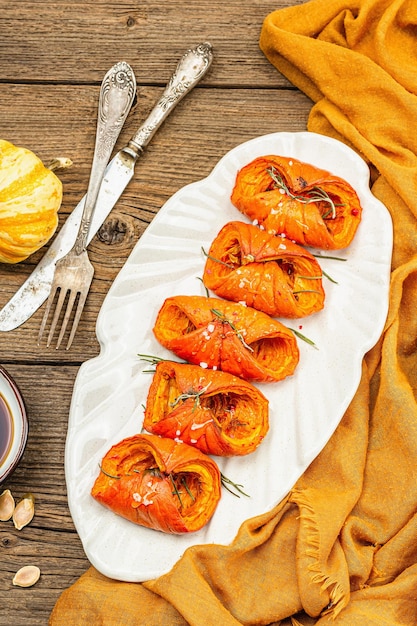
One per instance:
[(35, 290)]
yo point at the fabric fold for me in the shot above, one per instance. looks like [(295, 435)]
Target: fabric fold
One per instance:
[(320, 575)]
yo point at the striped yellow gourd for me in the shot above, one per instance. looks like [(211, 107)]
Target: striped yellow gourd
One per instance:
[(30, 197)]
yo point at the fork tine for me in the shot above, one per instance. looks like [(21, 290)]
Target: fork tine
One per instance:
[(59, 304), (71, 299), (49, 302), (43, 323), (80, 307)]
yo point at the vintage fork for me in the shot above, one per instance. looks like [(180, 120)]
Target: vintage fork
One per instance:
[(74, 272)]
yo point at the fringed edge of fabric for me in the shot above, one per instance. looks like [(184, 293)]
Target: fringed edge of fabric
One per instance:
[(337, 594)]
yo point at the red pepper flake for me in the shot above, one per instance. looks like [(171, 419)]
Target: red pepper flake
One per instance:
[(354, 212)]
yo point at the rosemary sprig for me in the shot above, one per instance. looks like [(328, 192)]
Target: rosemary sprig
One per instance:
[(332, 280), (303, 337), (153, 471), (153, 360), (332, 258), (187, 489), (150, 358), (328, 213), (190, 394), (239, 335), (107, 474), (229, 484), (205, 288), (177, 492), (212, 258), (316, 194), (175, 489), (228, 265)]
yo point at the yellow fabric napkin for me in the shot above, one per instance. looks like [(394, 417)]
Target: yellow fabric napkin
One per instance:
[(341, 548)]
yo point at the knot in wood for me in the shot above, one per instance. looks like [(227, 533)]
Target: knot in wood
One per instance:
[(112, 231), (8, 541)]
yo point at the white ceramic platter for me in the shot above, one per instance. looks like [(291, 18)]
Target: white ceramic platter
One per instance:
[(111, 389)]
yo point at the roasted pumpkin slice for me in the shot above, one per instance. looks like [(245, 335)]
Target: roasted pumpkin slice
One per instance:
[(268, 273), (308, 205), (159, 483), (214, 411), (227, 336)]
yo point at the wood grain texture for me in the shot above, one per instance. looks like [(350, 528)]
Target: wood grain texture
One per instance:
[(52, 60), (75, 42)]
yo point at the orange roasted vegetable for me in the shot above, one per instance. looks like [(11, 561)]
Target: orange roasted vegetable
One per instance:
[(214, 411), (159, 483), (227, 336), (307, 204), (271, 274)]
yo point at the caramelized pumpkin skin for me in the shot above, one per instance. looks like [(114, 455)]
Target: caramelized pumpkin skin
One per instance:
[(269, 273), (159, 483), (309, 205), (30, 197), (227, 336), (214, 411)]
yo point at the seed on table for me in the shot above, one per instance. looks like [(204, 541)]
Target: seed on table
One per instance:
[(27, 576), (24, 511), (7, 505)]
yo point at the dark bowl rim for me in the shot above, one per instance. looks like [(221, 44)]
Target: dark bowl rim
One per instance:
[(25, 423)]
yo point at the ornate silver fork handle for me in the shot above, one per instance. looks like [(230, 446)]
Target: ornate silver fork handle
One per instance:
[(74, 272), (117, 92)]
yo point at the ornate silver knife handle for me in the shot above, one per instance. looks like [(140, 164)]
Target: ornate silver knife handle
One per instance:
[(117, 92), (190, 69)]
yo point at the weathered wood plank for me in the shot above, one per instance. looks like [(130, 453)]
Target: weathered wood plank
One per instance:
[(76, 42)]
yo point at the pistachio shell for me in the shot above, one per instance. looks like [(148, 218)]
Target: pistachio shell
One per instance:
[(27, 576), (7, 505), (24, 511)]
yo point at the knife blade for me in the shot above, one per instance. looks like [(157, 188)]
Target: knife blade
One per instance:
[(35, 290)]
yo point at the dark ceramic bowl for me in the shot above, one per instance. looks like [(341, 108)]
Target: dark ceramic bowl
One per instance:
[(13, 425)]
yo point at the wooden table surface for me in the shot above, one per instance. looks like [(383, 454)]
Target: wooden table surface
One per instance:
[(53, 56)]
